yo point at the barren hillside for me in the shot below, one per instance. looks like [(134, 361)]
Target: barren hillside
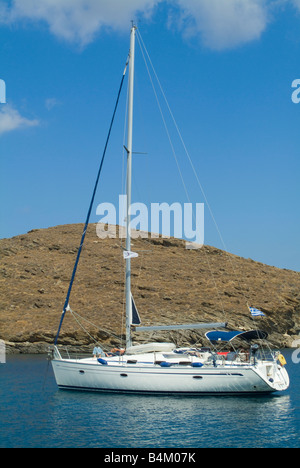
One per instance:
[(170, 285)]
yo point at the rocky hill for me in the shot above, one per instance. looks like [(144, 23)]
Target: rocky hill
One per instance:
[(170, 285)]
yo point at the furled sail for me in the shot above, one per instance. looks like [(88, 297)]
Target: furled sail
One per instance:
[(135, 315)]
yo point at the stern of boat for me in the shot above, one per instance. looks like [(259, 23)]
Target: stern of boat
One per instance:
[(274, 374)]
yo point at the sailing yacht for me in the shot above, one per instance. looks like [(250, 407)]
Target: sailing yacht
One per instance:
[(162, 368)]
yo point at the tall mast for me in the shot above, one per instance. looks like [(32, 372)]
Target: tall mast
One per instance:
[(129, 170)]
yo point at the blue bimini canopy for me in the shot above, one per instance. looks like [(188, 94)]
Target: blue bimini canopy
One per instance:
[(231, 335)]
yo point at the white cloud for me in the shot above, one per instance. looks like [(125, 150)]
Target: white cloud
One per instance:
[(296, 3), (220, 24), (50, 103), (11, 119), (78, 20), (224, 23), (3, 13)]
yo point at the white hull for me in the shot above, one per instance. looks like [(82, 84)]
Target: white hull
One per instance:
[(89, 375)]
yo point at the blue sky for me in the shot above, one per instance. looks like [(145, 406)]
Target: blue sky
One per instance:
[(227, 68)]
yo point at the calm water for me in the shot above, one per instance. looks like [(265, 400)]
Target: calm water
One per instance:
[(33, 416)]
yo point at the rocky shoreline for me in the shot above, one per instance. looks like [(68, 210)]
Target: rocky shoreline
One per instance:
[(170, 285)]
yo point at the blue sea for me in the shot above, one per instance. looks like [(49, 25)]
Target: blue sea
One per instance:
[(35, 414)]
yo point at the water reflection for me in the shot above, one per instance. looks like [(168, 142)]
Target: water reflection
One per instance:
[(138, 421), (36, 416)]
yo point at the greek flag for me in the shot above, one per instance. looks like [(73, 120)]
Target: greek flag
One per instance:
[(256, 313)]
